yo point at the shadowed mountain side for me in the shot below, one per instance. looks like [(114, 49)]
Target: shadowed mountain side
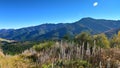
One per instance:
[(57, 31)]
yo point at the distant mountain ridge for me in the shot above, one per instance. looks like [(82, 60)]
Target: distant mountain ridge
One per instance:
[(57, 31)]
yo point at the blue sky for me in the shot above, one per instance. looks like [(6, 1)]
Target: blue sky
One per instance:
[(24, 13)]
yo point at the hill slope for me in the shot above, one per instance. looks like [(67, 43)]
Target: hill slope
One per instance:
[(56, 31)]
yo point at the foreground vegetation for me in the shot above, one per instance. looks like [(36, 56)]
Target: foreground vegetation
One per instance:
[(83, 51)]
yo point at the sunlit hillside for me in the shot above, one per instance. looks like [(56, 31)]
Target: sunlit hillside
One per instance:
[(5, 40), (59, 33), (84, 51)]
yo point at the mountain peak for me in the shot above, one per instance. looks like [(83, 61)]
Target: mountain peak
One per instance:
[(48, 31), (87, 18)]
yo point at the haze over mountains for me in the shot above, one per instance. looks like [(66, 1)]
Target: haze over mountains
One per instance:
[(57, 31)]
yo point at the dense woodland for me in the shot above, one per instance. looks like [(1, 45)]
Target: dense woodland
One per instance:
[(82, 51)]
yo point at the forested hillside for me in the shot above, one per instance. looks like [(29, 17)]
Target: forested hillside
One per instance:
[(58, 31)]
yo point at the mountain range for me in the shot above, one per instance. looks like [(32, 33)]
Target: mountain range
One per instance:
[(58, 31)]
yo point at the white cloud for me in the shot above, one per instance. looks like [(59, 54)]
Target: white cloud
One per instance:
[(95, 4)]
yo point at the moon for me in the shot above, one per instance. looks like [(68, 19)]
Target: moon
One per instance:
[(95, 4)]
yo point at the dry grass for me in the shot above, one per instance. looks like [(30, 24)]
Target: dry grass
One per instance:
[(14, 62), (111, 55)]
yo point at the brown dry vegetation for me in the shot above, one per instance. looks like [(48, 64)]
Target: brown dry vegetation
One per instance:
[(14, 62), (112, 56), (85, 51)]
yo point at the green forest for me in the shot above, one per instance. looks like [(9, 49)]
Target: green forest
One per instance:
[(83, 51)]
